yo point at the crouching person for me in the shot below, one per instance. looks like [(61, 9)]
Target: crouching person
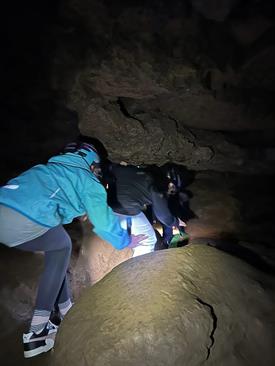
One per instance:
[(130, 191), (33, 208)]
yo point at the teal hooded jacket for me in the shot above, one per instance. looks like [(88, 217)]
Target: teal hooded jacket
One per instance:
[(57, 192)]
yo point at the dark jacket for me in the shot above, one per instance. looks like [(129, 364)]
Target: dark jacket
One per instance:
[(131, 189)]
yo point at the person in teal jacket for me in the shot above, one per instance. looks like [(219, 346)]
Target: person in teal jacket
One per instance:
[(33, 208)]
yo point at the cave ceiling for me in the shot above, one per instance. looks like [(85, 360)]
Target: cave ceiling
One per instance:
[(191, 82)]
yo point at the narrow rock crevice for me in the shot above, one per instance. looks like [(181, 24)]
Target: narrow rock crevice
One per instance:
[(176, 123), (157, 151), (186, 132), (125, 112), (215, 323)]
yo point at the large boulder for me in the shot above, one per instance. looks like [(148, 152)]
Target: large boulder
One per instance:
[(175, 307)]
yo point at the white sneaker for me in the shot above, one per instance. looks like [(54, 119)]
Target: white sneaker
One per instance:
[(36, 343)]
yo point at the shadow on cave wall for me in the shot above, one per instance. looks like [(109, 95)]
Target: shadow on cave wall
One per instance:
[(29, 139), (233, 247)]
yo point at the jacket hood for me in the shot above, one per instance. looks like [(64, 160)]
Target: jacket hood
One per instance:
[(71, 159)]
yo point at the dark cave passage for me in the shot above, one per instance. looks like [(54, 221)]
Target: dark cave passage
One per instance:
[(160, 85)]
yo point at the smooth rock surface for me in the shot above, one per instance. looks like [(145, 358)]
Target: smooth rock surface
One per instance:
[(181, 306)]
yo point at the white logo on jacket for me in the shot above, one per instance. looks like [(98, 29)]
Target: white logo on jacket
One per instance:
[(55, 193), (11, 186)]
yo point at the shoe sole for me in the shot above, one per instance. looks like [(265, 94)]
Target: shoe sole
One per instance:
[(37, 351)]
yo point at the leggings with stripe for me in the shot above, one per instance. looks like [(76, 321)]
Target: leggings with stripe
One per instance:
[(53, 286)]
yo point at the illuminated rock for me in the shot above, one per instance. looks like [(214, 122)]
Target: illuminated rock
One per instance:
[(181, 306)]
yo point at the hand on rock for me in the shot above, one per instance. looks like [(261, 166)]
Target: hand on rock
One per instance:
[(136, 240)]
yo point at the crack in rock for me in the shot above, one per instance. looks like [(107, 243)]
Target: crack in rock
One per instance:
[(125, 112), (176, 123), (215, 322), (160, 145)]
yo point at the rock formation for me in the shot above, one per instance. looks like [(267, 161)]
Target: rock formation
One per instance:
[(176, 307)]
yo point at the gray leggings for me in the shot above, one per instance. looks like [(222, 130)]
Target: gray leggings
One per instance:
[(53, 287)]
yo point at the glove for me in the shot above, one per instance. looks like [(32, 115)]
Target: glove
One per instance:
[(178, 239), (183, 234)]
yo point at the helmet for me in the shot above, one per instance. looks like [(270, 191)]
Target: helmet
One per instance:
[(87, 151)]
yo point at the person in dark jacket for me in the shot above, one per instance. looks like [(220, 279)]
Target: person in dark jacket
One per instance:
[(130, 190), (33, 208), (178, 202)]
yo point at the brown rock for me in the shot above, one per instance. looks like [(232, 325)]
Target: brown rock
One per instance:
[(174, 307)]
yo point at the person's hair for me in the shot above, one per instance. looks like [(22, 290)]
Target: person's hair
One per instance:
[(159, 179)]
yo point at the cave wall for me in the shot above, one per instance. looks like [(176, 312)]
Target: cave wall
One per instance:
[(191, 83), (180, 80)]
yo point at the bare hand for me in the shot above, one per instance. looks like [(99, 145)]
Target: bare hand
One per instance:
[(136, 240)]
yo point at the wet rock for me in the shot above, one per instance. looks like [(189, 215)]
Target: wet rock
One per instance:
[(173, 307)]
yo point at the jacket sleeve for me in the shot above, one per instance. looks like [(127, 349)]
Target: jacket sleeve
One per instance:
[(161, 209), (106, 224)]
